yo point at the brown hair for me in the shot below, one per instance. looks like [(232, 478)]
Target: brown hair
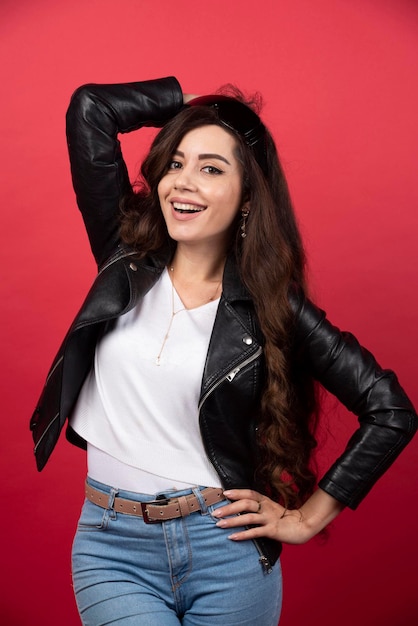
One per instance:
[(270, 259)]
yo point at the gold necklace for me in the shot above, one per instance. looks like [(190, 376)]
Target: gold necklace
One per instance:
[(174, 313)]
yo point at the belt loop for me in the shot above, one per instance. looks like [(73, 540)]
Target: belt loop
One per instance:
[(112, 495), (203, 508), (184, 506)]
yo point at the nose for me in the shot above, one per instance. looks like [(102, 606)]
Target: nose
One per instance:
[(185, 179)]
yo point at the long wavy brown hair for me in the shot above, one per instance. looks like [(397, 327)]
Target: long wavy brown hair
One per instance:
[(271, 261)]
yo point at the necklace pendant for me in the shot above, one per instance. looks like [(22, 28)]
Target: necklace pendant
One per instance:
[(158, 360)]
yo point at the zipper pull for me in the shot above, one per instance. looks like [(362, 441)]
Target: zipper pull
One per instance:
[(265, 564), (232, 374)]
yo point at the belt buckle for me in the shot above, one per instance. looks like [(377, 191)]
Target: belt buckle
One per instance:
[(163, 501)]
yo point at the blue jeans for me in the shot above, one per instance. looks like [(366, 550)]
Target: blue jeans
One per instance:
[(182, 571)]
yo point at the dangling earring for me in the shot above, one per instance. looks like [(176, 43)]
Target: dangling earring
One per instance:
[(244, 214)]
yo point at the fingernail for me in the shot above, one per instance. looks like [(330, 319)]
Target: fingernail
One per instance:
[(221, 523), (227, 493), (234, 536)]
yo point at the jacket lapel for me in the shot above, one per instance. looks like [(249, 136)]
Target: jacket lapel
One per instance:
[(233, 339)]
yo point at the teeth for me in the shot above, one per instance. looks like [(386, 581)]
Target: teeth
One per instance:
[(187, 208)]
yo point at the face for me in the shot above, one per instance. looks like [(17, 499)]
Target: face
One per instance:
[(200, 194)]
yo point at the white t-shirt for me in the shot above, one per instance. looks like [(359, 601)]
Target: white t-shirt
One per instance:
[(140, 419)]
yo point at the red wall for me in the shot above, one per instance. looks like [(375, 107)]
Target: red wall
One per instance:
[(341, 97)]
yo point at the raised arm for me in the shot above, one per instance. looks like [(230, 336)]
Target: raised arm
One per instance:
[(96, 114)]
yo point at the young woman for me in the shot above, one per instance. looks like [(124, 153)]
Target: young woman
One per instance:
[(189, 373)]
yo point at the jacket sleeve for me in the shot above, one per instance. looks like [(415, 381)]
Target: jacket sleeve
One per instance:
[(96, 114), (387, 419)]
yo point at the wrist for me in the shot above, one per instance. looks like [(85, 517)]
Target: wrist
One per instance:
[(319, 511)]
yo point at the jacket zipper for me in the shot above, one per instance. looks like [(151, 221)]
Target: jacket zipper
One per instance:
[(230, 376), (117, 257), (265, 563), (45, 431), (53, 370)]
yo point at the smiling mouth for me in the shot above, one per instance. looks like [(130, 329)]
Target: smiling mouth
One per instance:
[(181, 207)]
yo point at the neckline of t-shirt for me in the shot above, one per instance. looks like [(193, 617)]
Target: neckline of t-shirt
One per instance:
[(201, 307)]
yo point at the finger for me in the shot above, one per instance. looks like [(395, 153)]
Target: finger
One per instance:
[(238, 507), (240, 494), (250, 533), (247, 519), (189, 96)]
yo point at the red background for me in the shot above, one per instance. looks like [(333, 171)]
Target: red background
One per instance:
[(339, 79)]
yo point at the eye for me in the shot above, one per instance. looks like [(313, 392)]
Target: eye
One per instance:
[(174, 165), (211, 169)]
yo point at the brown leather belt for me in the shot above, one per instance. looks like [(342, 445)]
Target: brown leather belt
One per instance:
[(157, 510)]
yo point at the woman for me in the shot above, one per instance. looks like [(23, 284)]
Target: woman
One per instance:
[(189, 371)]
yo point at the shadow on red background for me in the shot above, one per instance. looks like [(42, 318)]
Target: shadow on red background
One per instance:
[(340, 90)]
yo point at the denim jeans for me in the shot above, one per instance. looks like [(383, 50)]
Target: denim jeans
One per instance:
[(182, 571)]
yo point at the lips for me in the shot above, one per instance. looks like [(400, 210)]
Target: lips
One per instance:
[(183, 207)]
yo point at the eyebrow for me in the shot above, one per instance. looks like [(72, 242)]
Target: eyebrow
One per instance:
[(208, 155)]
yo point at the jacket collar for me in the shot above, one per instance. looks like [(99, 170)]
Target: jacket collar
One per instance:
[(232, 286)]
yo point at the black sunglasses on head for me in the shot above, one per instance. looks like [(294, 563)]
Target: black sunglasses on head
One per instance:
[(239, 118)]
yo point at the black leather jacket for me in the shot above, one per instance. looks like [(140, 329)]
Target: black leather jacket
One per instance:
[(233, 374)]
